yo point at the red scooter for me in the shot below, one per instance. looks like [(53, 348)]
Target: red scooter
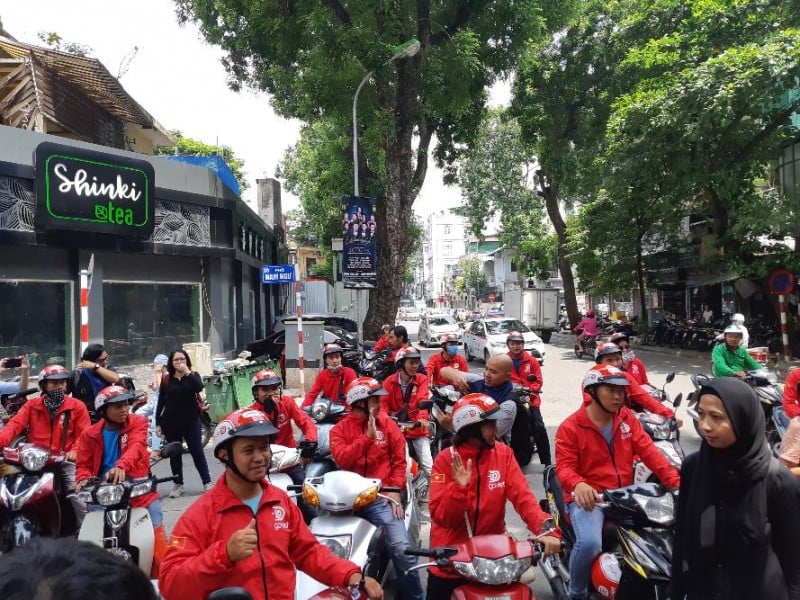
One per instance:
[(493, 565), (30, 505)]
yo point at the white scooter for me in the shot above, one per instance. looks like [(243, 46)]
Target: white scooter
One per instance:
[(283, 459), (337, 495), (120, 528)]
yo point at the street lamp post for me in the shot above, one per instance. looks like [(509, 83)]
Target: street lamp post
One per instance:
[(404, 50)]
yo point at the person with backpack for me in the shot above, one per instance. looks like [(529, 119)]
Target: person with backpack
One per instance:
[(91, 375), (527, 372), (406, 388), (737, 527)]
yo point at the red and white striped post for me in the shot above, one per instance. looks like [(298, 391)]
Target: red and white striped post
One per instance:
[(301, 363), (787, 351), (84, 309)]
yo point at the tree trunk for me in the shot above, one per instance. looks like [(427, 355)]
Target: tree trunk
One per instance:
[(643, 318), (550, 195)]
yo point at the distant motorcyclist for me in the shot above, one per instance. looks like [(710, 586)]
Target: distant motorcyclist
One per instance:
[(383, 341), (586, 328), (738, 320), (332, 381), (630, 362), (448, 357), (729, 359)]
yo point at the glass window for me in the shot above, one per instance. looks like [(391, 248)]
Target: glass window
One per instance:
[(37, 322), (144, 319)]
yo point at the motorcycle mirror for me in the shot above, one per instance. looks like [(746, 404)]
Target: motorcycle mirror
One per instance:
[(678, 399), (670, 377), (230, 593), (171, 449), (425, 405)]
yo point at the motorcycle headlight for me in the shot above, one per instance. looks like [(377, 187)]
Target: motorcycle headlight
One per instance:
[(657, 426), (142, 488), (366, 498), (660, 509), (109, 495), (310, 495), (319, 411), (501, 571), (339, 545), (34, 459)]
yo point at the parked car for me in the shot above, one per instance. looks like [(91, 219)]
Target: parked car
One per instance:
[(432, 329), (329, 319), (273, 345), (412, 314), (487, 337)]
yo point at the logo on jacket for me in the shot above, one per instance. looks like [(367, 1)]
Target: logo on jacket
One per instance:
[(625, 430), (379, 441), (281, 420), (123, 440), (279, 515), (494, 480)]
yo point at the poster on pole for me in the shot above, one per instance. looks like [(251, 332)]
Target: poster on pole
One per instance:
[(360, 248)]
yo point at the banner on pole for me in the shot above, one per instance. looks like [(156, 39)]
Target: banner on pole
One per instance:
[(359, 251)]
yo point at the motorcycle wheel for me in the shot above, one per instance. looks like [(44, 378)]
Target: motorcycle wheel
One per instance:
[(467, 355), (577, 351)]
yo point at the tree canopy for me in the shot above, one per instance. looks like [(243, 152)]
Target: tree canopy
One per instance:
[(186, 146)]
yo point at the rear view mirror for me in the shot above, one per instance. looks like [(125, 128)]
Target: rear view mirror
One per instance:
[(678, 399), (671, 377)]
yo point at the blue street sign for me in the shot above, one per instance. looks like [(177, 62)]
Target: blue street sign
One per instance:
[(277, 273)]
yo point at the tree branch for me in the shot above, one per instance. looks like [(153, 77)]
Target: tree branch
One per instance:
[(339, 12), (464, 17), (779, 120), (424, 22), (425, 134)]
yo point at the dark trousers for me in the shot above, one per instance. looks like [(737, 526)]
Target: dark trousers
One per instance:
[(192, 437), (440, 588), (540, 437)]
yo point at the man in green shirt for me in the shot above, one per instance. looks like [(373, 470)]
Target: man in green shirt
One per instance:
[(731, 359)]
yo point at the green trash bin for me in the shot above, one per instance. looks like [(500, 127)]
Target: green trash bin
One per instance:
[(243, 377), (220, 395)]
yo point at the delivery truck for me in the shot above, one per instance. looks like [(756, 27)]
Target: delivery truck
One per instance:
[(536, 307)]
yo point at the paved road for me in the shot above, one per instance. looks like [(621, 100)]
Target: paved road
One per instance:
[(562, 374)]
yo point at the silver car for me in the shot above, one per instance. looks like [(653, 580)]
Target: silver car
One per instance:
[(433, 328), (487, 337)]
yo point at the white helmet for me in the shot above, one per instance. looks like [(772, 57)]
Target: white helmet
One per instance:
[(738, 319), (733, 329)]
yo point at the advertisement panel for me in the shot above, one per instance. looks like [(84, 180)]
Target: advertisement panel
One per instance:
[(359, 250)]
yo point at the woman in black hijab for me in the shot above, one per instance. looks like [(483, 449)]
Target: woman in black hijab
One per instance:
[(738, 522)]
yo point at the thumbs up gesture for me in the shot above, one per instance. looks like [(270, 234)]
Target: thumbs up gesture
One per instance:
[(242, 543)]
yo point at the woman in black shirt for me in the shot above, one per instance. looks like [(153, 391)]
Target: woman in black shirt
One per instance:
[(178, 416)]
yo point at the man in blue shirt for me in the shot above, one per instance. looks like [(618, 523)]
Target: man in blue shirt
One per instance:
[(14, 387), (496, 383)]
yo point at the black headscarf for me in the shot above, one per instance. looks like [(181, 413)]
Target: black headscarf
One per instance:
[(727, 509)]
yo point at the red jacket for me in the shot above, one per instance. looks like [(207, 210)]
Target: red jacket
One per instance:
[(196, 561), (582, 454), (44, 432), (496, 477), (282, 417), (381, 344), (134, 458), (382, 457), (791, 402), (636, 368), (440, 360), (331, 385), (636, 395), (528, 366), (394, 402)]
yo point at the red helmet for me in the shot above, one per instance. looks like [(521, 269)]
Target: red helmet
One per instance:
[(405, 353), (331, 349), (515, 336), (590, 312), (245, 422), (363, 388), (619, 337), (474, 408), (53, 372), (266, 377), (111, 395), (606, 574), (448, 338), (605, 349), (603, 374)]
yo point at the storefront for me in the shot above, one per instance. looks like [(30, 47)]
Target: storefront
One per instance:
[(174, 254)]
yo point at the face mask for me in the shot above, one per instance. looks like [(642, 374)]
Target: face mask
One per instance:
[(452, 350), (54, 399), (334, 369), (628, 356)]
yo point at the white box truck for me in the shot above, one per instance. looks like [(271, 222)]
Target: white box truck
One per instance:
[(535, 307)]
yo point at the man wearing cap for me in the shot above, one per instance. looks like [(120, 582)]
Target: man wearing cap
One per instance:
[(332, 381), (729, 359)]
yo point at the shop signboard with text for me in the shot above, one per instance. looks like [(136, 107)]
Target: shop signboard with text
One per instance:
[(359, 249), (79, 189)]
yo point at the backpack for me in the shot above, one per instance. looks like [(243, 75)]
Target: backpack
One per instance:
[(81, 388), (522, 429)]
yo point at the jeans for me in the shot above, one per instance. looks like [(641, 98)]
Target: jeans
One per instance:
[(192, 437), (381, 514), (588, 527), (422, 447)]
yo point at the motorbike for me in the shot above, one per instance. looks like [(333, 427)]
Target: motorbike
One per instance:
[(325, 414), (444, 398), (283, 459), (637, 541), (124, 530), (493, 566), (660, 394), (419, 481), (337, 495), (32, 500), (665, 435), (376, 364), (589, 345), (768, 391)]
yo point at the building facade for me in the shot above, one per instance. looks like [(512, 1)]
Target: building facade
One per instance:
[(444, 243)]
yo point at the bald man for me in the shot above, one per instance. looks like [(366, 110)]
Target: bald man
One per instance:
[(496, 383)]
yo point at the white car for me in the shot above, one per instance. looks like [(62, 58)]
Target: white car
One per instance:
[(485, 338), (433, 328)]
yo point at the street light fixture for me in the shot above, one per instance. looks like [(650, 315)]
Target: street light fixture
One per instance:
[(404, 50)]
